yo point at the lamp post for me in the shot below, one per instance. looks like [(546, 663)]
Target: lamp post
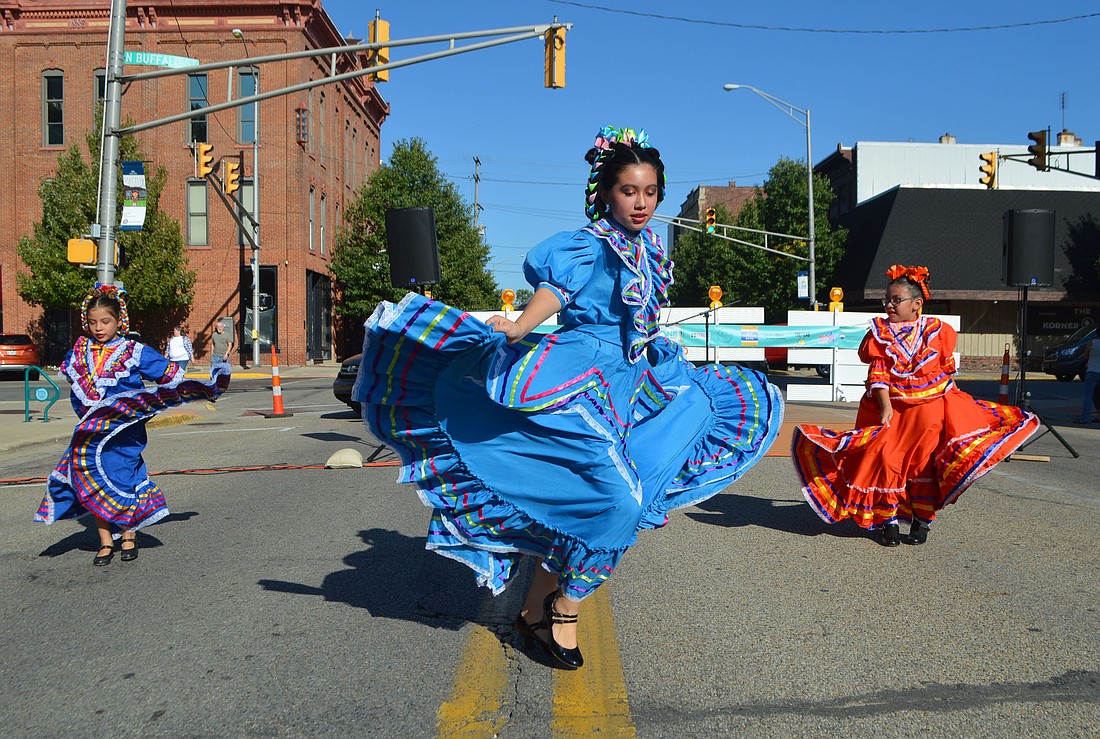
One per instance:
[(238, 33), (790, 111)]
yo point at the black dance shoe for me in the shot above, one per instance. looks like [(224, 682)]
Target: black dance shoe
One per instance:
[(918, 534), (131, 553), (104, 559), (527, 631), (891, 535), (569, 658)]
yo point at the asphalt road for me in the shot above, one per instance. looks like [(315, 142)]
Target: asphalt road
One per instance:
[(300, 602)]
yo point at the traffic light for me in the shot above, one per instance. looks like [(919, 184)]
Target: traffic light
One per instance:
[(204, 153), (1039, 149), (555, 58), (711, 220), (989, 169), (378, 31), (232, 176)]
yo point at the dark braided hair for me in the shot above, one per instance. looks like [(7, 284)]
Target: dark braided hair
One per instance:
[(606, 166)]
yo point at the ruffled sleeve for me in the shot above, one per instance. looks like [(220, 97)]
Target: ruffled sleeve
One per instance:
[(155, 367), (871, 352), (947, 338), (561, 263)]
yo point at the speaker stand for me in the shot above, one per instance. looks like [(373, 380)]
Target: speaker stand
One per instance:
[(1023, 397)]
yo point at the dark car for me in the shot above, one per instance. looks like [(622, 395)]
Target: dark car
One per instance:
[(345, 379), (1067, 360), (17, 353)]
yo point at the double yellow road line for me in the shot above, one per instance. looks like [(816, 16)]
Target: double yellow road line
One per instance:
[(591, 700)]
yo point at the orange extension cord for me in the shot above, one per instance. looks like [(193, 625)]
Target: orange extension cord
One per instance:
[(212, 471)]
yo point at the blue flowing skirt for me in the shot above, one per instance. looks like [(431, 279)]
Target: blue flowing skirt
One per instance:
[(554, 446)]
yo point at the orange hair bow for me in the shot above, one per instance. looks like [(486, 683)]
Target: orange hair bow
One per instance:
[(919, 275)]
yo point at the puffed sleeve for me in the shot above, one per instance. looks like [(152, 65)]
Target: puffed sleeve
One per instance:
[(946, 339), (872, 353), (562, 263), (155, 367)]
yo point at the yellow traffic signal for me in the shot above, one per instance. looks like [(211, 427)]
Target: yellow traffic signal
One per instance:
[(989, 169), (555, 58), (232, 176), (1039, 149), (378, 32), (711, 223), (204, 153), (81, 251)]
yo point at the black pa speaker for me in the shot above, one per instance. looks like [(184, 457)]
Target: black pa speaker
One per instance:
[(1028, 256), (413, 250)]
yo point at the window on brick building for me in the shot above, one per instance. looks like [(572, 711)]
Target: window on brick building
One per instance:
[(100, 90), (323, 223), (53, 108), (198, 226), (347, 153), (321, 132), (312, 214), (247, 78), (196, 100), (309, 122), (245, 195)]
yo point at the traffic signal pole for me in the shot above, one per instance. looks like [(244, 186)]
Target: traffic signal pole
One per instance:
[(108, 156)]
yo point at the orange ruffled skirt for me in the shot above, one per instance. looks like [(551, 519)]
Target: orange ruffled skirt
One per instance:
[(920, 462)]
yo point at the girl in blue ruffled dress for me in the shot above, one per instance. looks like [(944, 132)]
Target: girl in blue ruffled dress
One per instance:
[(102, 471), (564, 445)]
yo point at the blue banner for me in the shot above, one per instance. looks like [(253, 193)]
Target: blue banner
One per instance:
[(133, 196)]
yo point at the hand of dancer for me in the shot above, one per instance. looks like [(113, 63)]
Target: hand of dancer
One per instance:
[(886, 409), (542, 305), (509, 328)]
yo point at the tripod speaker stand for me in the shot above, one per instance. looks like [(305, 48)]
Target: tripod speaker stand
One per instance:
[(1028, 260)]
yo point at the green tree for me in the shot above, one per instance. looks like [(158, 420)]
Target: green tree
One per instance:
[(154, 269), (751, 276), (411, 178)]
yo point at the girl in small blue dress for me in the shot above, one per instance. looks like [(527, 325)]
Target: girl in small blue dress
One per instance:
[(102, 471), (563, 446)]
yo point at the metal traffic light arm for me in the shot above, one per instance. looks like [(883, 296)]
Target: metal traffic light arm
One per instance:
[(690, 224), (1052, 153)]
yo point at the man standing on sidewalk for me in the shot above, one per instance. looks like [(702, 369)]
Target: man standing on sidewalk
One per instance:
[(221, 344)]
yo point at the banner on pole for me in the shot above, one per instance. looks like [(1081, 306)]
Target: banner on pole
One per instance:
[(133, 196), (803, 284)]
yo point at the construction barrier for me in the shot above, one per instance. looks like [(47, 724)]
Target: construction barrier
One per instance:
[(1002, 397), (276, 390)]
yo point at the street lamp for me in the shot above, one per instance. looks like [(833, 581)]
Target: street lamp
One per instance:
[(790, 110), (238, 33)]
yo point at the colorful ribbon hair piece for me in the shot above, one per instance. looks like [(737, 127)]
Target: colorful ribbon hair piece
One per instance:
[(110, 291), (605, 141), (917, 275)]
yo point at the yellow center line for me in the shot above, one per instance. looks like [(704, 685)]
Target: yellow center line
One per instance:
[(476, 708), (593, 699)]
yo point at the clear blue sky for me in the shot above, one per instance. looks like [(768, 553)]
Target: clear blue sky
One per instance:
[(666, 75)]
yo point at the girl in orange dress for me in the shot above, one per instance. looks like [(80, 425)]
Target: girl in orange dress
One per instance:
[(919, 441)]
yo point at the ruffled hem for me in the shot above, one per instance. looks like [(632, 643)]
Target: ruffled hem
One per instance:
[(474, 523)]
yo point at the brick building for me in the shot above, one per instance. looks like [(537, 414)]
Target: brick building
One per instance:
[(316, 148)]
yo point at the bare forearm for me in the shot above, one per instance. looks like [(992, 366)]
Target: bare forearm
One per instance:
[(543, 305)]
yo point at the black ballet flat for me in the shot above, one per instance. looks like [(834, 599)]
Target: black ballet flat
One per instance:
[(918, 534), (568, 658), (104, 559), (128, 555), (527, 631), (891, 535)]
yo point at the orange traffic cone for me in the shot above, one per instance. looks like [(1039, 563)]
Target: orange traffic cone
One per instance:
[(1003, 396), (276, 390)]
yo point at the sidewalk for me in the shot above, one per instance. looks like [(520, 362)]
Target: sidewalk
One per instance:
[(16, 433)]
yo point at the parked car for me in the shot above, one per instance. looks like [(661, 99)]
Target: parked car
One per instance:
[(776, 357), (345, 379), (1067, 360), (17, 352)]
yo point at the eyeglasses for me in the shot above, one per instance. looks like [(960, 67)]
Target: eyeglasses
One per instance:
[(896, 301)]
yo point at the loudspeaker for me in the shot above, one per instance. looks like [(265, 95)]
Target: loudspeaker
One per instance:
[(1028, 256), (412, 246)]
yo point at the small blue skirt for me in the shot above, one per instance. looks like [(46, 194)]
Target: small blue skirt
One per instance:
[(555, 446)]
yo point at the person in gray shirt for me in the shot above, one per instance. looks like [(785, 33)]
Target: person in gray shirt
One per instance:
[(221, 344)]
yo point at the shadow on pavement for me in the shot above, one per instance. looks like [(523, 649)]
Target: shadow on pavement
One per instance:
[(87, 539), (732, 510), (396, 577)]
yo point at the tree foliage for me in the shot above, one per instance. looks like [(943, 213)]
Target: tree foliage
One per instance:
[(154, 268), (751, 276), (411, 178)]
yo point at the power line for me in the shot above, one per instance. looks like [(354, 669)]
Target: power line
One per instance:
[(885, 31)]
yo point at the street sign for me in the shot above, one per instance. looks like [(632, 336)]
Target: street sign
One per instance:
[(149, 59)]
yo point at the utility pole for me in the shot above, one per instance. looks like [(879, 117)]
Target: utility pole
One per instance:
[(238, 33), (477, 179)]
